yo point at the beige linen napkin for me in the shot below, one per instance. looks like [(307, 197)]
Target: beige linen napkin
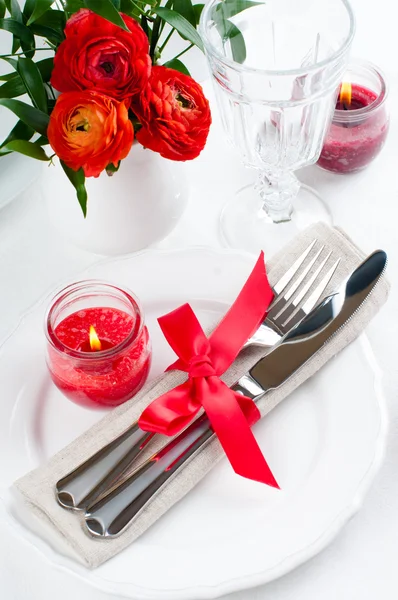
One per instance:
[(37, 487)]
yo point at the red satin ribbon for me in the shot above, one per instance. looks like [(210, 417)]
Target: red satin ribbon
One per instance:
[(205, 359)]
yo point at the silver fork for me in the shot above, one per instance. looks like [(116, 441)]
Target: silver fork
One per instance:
[(89, 481)]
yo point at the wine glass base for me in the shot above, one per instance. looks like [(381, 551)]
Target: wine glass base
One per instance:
[(244, 225)]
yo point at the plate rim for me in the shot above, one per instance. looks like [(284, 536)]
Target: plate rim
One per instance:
[(204, 592)]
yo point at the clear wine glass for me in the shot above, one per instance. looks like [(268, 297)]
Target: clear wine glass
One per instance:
[(276, 66)]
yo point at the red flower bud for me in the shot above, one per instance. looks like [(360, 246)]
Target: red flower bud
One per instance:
[(174, 114), (99, 56)]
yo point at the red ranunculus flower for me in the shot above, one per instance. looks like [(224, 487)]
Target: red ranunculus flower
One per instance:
[(90, 130), (174, 114), (100, 56)]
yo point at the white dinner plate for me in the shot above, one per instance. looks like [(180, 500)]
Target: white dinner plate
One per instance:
[(324, 444)]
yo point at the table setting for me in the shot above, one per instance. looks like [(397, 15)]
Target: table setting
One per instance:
[(197, 334)]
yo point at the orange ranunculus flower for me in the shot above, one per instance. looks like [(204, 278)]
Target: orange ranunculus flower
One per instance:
[(174, 114), (98, 55), (90, 130)]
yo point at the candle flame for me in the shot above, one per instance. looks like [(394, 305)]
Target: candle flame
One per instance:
[(95, 343), (345, 93)]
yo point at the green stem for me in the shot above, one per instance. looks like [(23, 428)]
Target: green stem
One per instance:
[(186, 50), (168, 4), (21, 53), (149, 17), (155, 36), (162, 47), (50, 88), (162, 27)]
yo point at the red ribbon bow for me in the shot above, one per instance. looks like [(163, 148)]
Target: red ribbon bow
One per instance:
[(205, 359)]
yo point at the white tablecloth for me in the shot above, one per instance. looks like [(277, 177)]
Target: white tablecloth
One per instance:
[(361, 562)]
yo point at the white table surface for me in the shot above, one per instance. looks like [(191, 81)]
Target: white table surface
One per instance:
[(361, 561)]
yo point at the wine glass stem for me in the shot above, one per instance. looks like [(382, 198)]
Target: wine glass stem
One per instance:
[(277, 191)]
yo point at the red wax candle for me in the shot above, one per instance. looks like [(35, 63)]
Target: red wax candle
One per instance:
[(112, 366), (359, 127)]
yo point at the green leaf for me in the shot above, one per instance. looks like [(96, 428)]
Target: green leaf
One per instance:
[(228, 30), (8, 76), (14, 9), (28, 8), (21, 32), (27, 148), (180, 23), (73, 6), (42, 141), (11, 61), (176, 64), (2, 9), (105, 9), (17, 28), (116, 4), (230, 8), (15, 44), (21, 131), (185, 8), (237, 41), (33, 117), (198, 11), (131, 8), (12, 88), (45, 67), (33, 82), (126, 6), (41, 6), (15, 12), (77, 179), (56, 19), (14, 85), (50, 34)]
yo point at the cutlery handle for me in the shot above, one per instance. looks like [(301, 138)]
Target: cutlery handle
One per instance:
[(85, 484), (111, 514)]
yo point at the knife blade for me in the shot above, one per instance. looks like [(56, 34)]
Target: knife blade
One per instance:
[(114, 512), (301, 343)]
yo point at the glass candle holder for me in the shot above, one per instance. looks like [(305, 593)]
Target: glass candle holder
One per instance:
[(360, 122), (98, 347)]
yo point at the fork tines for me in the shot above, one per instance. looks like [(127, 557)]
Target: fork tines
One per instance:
[(298, 291)]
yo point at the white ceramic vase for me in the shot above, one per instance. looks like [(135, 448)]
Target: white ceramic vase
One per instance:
[(137, 206)]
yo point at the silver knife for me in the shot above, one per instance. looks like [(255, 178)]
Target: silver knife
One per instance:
[(109, 516)]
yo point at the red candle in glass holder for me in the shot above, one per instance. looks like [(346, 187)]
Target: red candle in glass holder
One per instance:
[(98, 350), (360, 123)]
